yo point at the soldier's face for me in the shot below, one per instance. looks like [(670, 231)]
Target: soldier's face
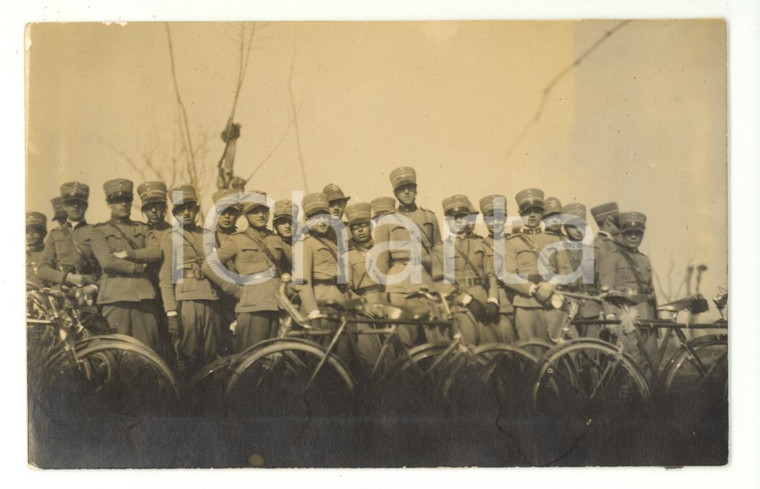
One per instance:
[(186, 213), (154, 213), (319, 223), (284, 228), (121, 207), (632, 239), (34, 236), (532, 217), (258, 217), (75, 209), (494, 224), (361, 232), (228, 218), (460, 223), (553, 222), (337, 207), (573, 232), (406, 193)]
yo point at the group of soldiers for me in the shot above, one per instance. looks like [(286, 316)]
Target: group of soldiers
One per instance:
[(191, 287)]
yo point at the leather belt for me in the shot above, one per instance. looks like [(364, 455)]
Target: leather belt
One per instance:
[(195, 273), (369, 288), (470, 281)]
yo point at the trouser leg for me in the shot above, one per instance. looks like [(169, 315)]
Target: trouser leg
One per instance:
[(531, 324), (254, 327), (136, 319), (468, 326)]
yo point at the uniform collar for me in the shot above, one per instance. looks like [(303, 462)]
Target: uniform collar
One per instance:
[(259, 233), (604, 234), (407, 208), (75, 224), (531, 231), (362, 246), (231, 230)]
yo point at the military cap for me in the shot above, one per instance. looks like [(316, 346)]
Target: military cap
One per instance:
[(552, 206), (284, 209), (577, 210), (237, 183), (254, 199), (220, 194), (314, 204), (403, 176), (152, 193), (603, 211), (491, 202), (632, 221), (183, 193), (117, 188), (36, 219), (75, 191), (457, 204), (382, 205), (333, 192), (531, 197), (358, 212), (58, 211)]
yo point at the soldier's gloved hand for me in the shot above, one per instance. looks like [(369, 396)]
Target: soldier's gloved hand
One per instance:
[(76, 279), (477, 309), (175, 328), (492, 312), (120, 254), (315, 314), (544, 291)]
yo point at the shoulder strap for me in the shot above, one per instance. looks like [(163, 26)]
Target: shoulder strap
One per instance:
[(636, 272), (266, 250), (118, 230), (529, 243), (192, 245), (468, 262), (333, 252)]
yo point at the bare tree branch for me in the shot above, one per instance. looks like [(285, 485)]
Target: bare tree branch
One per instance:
[(547, 90), (294, 116), (271, 152)]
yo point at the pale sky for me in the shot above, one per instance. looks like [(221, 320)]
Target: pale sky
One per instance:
[(642, 120)]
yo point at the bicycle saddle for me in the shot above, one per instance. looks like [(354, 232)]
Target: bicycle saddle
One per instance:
[(343, 306), (407, 312), (694, 303)]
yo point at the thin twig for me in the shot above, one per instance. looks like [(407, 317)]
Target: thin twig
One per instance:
[(294, 116), (547, 90)]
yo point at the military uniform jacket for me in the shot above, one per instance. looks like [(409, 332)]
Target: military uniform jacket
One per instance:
[(394, 261), (473, 272), (521, 257), (320, 273), (630, 272), (504, 295), (123, 280), (359, 280), (604, 244), (251, 252), (570, 259), (152, 253), (68, 250), (194, 285), (34, 257)]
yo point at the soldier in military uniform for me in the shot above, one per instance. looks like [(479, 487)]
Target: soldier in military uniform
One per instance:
[(226, 224), (225, 228), (496, 222), (191, 304), (68, 257), (629, 271), (534, 316), (36, 230), (319, 270), (407, 251), (606, 217), (360, 282), (462, 260), (336, 199), (285, 213), (59, 211), (579, 257), (126, 294), (258, 256), (382, 206), (553, 217)]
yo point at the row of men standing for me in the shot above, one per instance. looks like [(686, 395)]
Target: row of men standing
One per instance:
[(129, 262)]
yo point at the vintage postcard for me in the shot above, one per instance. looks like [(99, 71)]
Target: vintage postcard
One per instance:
[(492, 243)]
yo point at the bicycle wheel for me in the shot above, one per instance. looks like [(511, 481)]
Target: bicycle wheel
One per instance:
[(276, 380), (537, 348), (494, 380), (111, 377), (699, 369), (585, 378)]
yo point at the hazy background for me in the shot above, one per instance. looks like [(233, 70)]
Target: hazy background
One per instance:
[(642, 120)]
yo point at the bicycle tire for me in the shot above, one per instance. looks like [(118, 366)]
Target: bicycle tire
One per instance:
[(700, 368), (537, 348), (571, 381), (275, 381)]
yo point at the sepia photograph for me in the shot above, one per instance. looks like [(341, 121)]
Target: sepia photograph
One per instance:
[(377, 244)]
